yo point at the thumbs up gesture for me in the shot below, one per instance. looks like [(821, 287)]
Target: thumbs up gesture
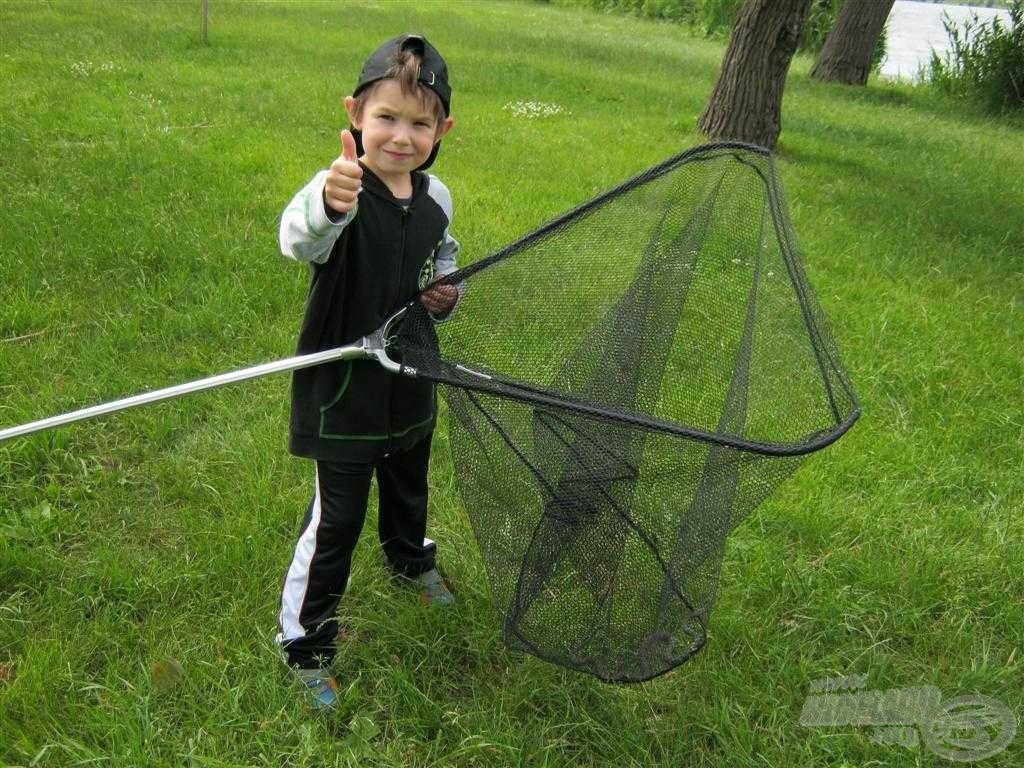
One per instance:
[(344, 178)]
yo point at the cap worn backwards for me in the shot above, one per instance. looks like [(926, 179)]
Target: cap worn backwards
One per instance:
[(433, 75)]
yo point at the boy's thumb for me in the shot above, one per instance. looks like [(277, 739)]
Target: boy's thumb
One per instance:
[(348, 145)]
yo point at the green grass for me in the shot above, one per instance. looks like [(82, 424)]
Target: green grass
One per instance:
[(143, 175)]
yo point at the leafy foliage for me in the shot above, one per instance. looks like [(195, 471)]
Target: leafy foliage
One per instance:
[(986, 63), (819, 21), (709, 16), (714, 18)]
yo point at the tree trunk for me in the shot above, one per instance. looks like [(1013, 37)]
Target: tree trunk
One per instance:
[(846, 55), (746, 102)]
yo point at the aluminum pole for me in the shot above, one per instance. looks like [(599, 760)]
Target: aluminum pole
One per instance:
[(168, 393), (371, 346)]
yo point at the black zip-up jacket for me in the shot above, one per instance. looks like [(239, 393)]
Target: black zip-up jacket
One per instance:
[(364, 266)]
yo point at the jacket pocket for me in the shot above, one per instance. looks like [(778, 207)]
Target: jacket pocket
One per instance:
[(414, 405), (358, 410)]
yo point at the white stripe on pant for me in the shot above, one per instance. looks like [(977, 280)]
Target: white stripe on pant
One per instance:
[(297, 580)]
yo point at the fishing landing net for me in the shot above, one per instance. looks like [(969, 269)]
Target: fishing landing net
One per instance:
[(625, 385)]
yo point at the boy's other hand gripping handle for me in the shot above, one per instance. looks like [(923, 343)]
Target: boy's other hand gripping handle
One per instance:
[(344, 178)]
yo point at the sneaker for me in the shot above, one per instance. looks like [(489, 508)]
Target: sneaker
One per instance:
[(433, 590), (321, 688)]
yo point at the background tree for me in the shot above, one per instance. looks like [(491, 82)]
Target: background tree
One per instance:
[(746, 102), (846, 55)]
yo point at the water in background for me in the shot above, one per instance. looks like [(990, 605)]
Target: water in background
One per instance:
[(914, 29)]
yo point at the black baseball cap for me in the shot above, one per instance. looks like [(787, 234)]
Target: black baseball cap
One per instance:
[(433, 75)]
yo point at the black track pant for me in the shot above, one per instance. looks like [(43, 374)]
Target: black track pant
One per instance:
[(318, 574)]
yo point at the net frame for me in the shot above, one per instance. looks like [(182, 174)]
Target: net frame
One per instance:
[(814, 321)]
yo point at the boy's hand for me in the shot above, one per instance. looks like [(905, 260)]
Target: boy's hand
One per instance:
[(439, 299), (344, 178)]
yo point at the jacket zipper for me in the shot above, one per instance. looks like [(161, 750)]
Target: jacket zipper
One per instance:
[(401, 275)]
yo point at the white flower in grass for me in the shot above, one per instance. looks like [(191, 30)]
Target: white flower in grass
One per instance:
[(86, 68), (534, 109), (146, 98)]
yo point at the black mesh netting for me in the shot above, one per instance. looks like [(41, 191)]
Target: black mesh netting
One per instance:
[(625, 385)]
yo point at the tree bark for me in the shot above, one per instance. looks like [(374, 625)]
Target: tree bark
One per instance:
[(746, 102), (846, 55)]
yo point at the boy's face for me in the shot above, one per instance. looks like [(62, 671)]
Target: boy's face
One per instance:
[(399, 132)]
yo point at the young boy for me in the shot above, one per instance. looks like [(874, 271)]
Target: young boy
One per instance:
[(374, 229)]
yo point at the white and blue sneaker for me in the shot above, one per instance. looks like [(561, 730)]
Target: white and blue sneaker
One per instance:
[(433, 590), (321, 688)]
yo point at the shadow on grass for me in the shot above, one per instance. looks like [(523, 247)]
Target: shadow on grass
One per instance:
[(920, 98), (918, 192)]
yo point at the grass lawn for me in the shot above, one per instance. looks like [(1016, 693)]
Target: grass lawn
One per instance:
[(141, 556)]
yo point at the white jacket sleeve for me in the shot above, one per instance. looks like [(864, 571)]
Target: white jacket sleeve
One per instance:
[(307, 233), (446, 262), (447, 253)]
